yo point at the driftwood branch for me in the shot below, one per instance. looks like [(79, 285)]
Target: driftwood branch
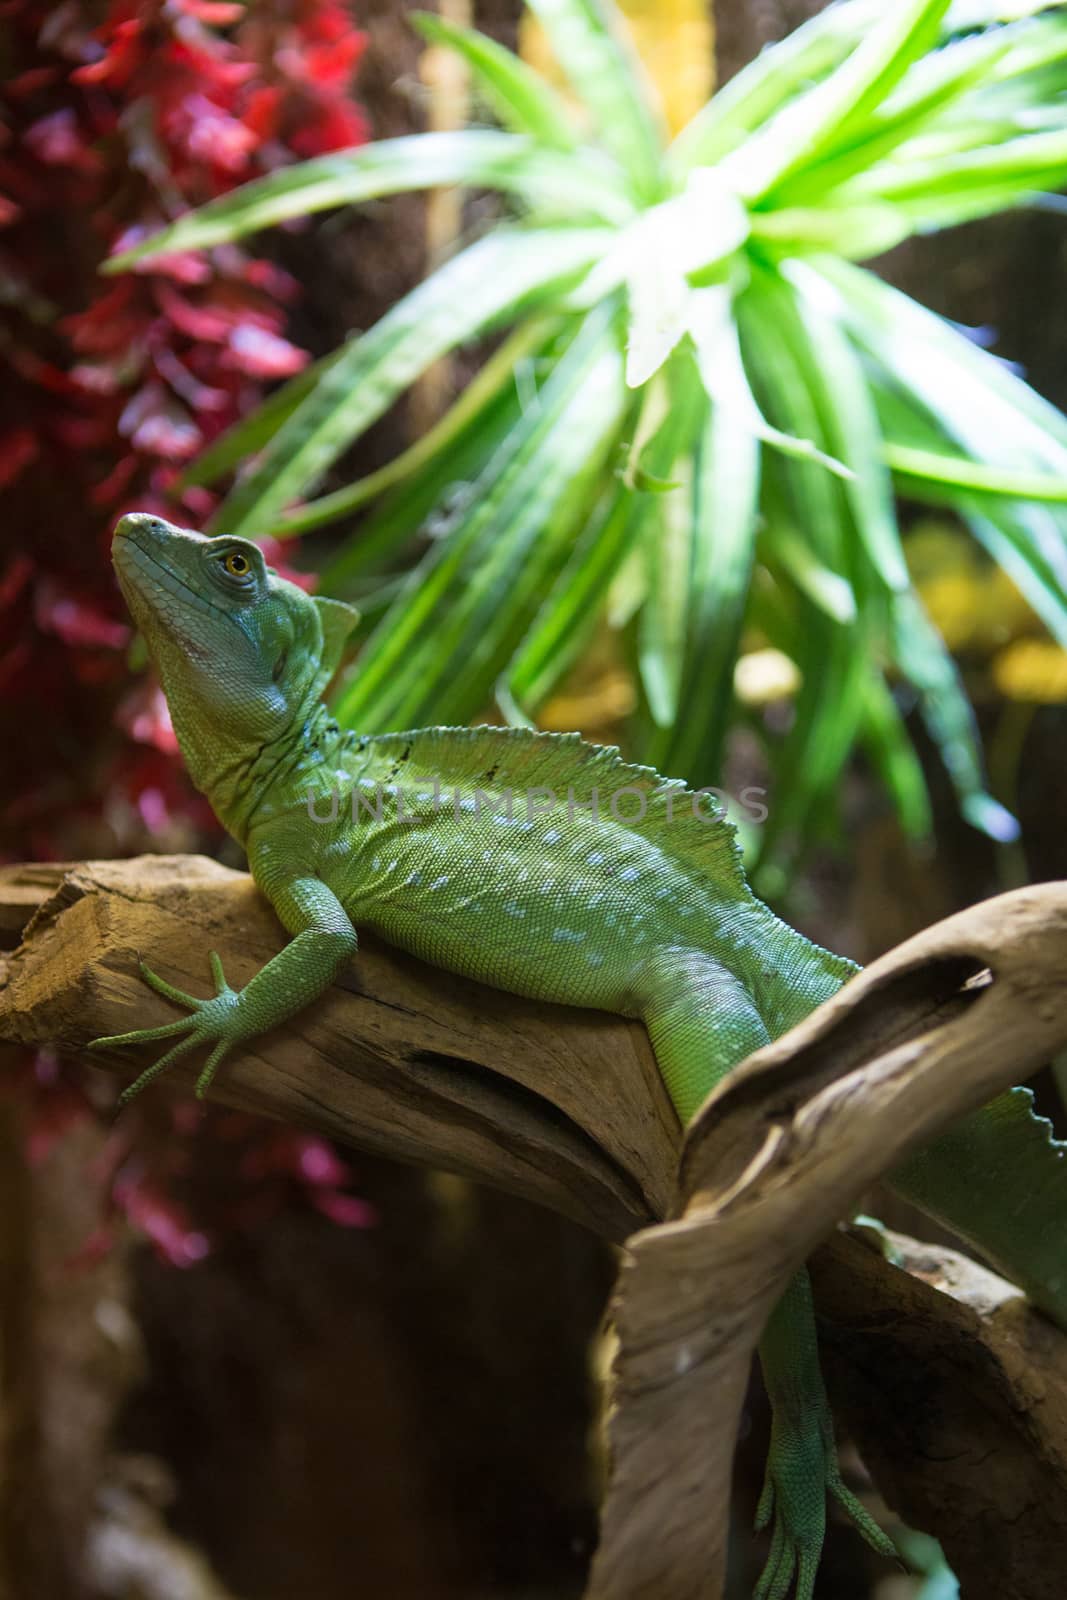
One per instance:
[(955, 1392), (563, 1107), (567, 1108), (784, 1148)]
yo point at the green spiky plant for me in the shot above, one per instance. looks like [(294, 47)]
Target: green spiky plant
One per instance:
[(702, 409)]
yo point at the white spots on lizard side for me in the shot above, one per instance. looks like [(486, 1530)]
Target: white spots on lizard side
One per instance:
[(629, 875), (553, 836), (595, 858), (594, 958), (413, 877), (439, 883), (512, 909), (567, 936)]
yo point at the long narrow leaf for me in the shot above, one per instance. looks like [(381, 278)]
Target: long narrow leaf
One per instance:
[(251, 433), (1027, 540), (894, 757), (439, 649), (916, 472), (571, 609), (1035, 161), (800, 60), (931, 86), (970, 398), (722, 549), (713, 330), (923, 659), (428, 503), (812, 124), (815, 508), (666, 544), (471, 404), (1022, 544), (756, 92), (519, 96), (852, 232), (836, 379), (980, 401), (504, 272), (607, 76), (473, 157)]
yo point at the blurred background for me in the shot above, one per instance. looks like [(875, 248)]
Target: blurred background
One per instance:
[(235, 1361)]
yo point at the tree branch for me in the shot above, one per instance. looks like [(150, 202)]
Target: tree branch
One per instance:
[(782, 1149), (563, 1107), (567, 1108)]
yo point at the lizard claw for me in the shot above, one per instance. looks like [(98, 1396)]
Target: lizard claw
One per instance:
[(802, 1470), (211, 1022)]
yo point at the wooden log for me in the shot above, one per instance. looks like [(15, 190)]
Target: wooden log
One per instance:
[(780, 1151), (561, 1106), (567, 1108), (955, 1391)]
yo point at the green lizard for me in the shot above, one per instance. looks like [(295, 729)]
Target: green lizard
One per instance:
[(548, 867)]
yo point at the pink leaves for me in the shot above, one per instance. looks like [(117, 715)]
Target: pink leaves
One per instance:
[(260, 354), (158, 425), (115, 115), (75, 620)]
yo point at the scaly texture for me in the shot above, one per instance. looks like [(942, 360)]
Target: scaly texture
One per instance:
[(547, 867)]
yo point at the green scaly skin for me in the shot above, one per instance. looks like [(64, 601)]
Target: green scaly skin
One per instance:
[(555, 898)]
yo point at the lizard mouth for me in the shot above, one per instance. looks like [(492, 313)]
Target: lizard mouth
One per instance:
[(155, 592)]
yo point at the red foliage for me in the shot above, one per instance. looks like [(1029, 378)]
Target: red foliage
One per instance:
[(115, 116)]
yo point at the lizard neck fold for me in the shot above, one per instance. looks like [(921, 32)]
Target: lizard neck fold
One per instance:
[(249, 782)]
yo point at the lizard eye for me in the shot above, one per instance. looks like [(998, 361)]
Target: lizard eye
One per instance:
[(237, 565)]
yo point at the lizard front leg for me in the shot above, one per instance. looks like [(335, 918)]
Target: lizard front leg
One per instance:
[(324, 940)]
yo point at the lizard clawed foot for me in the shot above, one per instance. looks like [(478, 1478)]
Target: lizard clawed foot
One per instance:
[(802, 1469), (212, 1022)]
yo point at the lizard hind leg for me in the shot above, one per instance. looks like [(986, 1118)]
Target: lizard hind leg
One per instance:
[(702, 1022)]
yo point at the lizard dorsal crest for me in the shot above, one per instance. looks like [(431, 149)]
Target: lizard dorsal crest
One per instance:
[(338, 620)]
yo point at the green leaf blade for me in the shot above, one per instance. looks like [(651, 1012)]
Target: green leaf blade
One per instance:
[(502, 273), (589, 44), (472, 157), (519, 96)]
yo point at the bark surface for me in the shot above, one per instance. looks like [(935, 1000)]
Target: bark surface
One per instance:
[(567, 1108)]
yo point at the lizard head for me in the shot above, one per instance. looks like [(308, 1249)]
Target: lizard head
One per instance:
[(240, 650)]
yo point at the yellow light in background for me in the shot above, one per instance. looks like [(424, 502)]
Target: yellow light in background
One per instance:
[(447, 81), (1033, 670), (763, 676), (675, 40)]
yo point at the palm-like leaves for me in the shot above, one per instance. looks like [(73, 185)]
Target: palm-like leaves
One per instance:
[(699, 387)]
